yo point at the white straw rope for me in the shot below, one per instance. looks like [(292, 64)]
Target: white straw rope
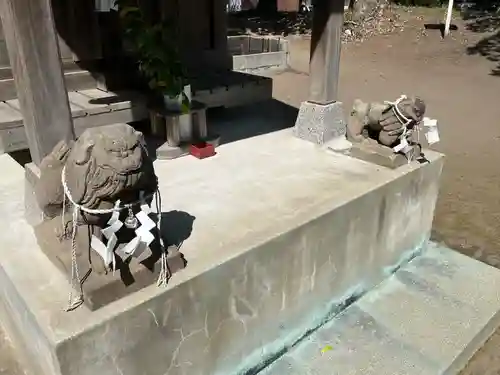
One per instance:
[(404, 123), (76, 282)]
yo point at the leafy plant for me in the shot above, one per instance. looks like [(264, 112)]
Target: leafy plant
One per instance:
[(154, 46)]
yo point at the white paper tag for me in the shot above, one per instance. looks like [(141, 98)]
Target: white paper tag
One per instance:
[(116, 214), (432, 135), (430, 122), (407, 149), (144, 206), (139, 250), (144, 231), (145, 235), (145, 220), (401, 146), (431, 130), (102, 250), (112, 229), (132, 246)]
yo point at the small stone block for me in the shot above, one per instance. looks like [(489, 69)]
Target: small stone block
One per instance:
[(380, 155), (167, 152), (320, 123), (202, 150)]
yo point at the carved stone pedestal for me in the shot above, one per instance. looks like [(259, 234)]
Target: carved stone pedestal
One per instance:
[(101, 287), (320, 123)]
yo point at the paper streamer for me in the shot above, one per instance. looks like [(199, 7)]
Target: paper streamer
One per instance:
[(107, 251)]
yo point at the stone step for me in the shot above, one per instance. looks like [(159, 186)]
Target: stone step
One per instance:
[(428, 318)]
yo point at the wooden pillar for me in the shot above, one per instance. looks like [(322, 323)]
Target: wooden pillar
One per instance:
[(31, 39), (328, 17)]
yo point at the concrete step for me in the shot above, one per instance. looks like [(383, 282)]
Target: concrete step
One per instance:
[(428, 318)]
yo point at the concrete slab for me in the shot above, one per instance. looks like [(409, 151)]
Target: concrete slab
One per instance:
[(281, 235), (429, 318)]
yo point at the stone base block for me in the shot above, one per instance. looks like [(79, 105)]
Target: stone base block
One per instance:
[(381, 155), (284, 236), (132, 273), (320, 123), (427, 319)]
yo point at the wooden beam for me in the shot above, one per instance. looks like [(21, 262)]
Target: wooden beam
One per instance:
[(328, 17), (31, 38)]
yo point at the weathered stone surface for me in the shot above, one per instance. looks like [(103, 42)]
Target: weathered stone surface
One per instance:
[(375, 129), (283, 234), (381, 123), (381, 155), (9, 364), (319, 123), (33, 213), (429, 318)]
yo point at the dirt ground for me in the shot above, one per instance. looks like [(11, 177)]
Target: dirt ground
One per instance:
[(461, 91)]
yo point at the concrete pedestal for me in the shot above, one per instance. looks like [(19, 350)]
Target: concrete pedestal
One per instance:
[(284, 236), (320, 123)]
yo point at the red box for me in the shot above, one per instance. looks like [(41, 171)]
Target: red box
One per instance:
[(202, 150)]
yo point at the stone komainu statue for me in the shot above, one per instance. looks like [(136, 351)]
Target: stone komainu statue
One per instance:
[(384, 123), (105, 165)]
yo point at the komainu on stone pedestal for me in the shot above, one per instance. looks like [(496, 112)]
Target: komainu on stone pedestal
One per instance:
[(386, 129), (99, 229)]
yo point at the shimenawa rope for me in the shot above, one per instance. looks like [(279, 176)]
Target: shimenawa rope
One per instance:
[(75, 275)]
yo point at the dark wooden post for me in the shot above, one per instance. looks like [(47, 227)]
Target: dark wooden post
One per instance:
[(328, 17), (36, 66)]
